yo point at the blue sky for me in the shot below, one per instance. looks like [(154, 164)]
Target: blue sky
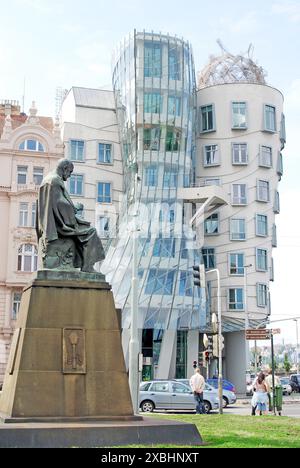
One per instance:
[(69, 43)]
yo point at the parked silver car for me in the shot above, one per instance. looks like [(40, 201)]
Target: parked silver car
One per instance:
[(173, 395), (229, 398)]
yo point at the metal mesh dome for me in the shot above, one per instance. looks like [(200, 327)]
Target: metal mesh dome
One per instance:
[(229, 68)]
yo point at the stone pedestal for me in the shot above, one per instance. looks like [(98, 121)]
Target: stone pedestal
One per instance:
[(66, 358)]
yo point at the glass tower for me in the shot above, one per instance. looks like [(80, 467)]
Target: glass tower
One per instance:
[(154, 86)]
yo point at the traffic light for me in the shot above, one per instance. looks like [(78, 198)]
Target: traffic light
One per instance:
[(195, 364), (206, 356), (216, 344)]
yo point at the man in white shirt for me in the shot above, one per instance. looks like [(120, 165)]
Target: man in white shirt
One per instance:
[(197, 384)]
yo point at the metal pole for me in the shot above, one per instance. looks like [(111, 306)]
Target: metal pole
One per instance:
[(134, 341), (255, 357), (273, 372), (246, 317), (297, 347), (220, 376)]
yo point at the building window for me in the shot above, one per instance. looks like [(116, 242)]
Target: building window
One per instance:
[(76, 184), (160, 282), (33, 214), (22, 175), (174, 63), (104, 153), (236, 299), (31, 145), (23, 214), (151, 176), (207, 119), (276, 207), (103, 227), (211, 155), (152, 103), (170, 179), (152, 59), (16, 305), (236, 264), (239, 110), (261, 259), (211, 181), (282, 134), (239, 194), (27, 258), (151, 138), (239, 153), (270, 118), (104, 192), (173, 140), (238, 229), (265, 157), (261, 225), (209, 258), (262, 295), (38, 174), (174, 106), (274, 235), (164, 247), (263, 191), (186, 284), (272, 270), (77, 150), (211, 225)]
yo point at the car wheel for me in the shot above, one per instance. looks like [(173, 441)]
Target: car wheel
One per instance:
[(147, 406), (225, 402), (207, 406)]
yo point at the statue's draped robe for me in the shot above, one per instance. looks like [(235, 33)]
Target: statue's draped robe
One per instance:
[(56, 218)]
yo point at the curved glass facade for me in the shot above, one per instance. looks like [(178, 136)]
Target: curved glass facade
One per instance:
[(154, 86)]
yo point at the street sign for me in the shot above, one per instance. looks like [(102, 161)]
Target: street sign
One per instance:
[(276, 331), (258, 334)]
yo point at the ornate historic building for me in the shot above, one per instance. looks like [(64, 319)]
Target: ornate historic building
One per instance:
[(29, 147)]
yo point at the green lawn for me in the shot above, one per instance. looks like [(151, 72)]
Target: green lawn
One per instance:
[(233, 431)]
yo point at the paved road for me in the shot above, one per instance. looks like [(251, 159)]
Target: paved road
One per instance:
[(290, 409)]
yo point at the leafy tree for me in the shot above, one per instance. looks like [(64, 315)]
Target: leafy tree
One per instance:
[(286, 363)]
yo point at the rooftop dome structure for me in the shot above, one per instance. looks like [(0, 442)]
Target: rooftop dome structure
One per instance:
[(229, 68)]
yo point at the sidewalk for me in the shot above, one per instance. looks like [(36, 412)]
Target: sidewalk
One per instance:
[(246, 400)]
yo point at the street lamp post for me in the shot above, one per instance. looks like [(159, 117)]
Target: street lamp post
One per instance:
[(246, 315), (220, 376), (134, 338), (297, 346)]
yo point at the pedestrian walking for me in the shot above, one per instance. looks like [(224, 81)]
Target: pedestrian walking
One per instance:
[(197, 384), (261, 393)]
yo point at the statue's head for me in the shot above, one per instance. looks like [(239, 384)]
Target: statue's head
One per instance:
[(64, 168)]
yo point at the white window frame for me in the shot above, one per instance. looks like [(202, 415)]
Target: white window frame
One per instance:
[(23, 214), (263, 303), (216, 152), (276, 207), (37, 143), (238, 200), (212, 179), (257, 262), (33, 214), (15, 306), (231, 231), (108, 143), (261, 161), (83, 185), (70, 150), (213, 129), (236, 302), (256, 225), (111, 192), (265, 119), (258, 191), (240, 162), (22, 170), (33, 255), (229, 263), (234, 127), (36, 170)]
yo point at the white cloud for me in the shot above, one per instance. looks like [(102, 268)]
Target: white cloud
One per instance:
[(290, 9), (43, 6), (244, 24)]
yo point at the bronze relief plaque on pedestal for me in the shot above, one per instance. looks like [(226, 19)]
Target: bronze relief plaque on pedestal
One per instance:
[(74, 360)]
